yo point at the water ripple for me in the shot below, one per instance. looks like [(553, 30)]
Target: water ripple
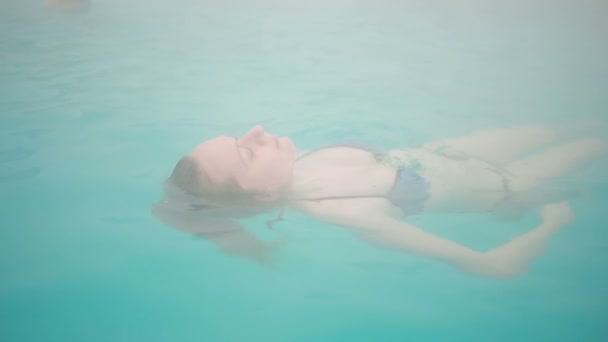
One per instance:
[(19, 175), (14, 154)]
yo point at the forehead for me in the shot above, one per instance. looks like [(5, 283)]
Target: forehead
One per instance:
[(222, 142), (218, 157)]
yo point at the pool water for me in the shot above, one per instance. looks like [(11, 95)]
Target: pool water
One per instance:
[(98, 103)]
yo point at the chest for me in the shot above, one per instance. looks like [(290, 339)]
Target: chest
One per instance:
[(340, 172)]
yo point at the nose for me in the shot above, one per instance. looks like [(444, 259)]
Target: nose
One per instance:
[(254, 135)]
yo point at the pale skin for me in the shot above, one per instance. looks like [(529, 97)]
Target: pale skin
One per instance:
[(465, 174)]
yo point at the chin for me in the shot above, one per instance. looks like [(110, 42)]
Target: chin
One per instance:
[(287, 144)]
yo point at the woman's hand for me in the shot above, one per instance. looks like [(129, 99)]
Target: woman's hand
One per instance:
[(261, 252), (557, 214), (514, 257), (228, 235)]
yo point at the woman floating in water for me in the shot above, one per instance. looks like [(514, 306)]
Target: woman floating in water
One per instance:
[(370, 192)]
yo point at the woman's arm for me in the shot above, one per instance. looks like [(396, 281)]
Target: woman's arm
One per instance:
[(226, 234), (369, 219)]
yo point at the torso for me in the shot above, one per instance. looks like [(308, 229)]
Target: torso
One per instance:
[(458, 183), (343, 172), (340, 171)]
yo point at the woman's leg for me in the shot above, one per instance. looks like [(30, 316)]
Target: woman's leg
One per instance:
[(498, 146), (539, 169)]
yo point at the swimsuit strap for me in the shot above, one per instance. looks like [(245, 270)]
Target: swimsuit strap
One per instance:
[(408, 192)]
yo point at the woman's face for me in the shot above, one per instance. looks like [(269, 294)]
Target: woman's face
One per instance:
[(257, 161)]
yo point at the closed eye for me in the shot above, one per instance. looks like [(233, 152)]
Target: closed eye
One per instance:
[(244, 153)]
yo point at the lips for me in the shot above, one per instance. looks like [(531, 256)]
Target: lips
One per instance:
[(274, 138)]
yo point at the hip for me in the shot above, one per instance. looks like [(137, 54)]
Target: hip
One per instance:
[(455, 184)]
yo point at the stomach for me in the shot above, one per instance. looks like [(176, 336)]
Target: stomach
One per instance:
[(456, 184)]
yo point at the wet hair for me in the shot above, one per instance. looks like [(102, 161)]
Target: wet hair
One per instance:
[(191, 180), (189, 177), (190, 185)]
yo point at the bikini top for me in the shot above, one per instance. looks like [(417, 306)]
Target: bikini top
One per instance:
[(409, 192)]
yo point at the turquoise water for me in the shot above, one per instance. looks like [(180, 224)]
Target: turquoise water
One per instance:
[(96, 105)]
